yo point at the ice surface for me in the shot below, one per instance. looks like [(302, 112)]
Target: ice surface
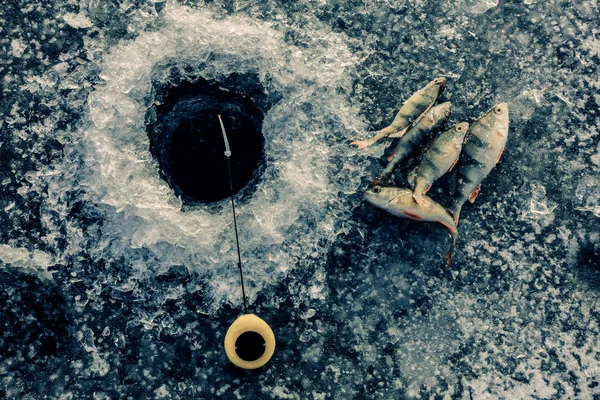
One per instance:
[(480, 6), (362, 305), (37, 261), (588, 194), (146, 213), (77, 20)]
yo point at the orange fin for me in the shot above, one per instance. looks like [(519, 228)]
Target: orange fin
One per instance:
[(447, 225), (474, 194), (361, 144), (499, 155), (453, 164), (427, 188), (391, 155), (413, 216), (420, 200), (448, 258), (376, 181)]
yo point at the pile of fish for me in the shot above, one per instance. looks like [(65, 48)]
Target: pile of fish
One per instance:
[(473, 154)]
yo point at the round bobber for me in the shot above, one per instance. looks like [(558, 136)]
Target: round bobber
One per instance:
[(249, 342)]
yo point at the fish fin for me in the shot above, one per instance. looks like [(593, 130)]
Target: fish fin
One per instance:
[(392, 154), (454, 164), (474, 194), (499, 154), (454, 211), (413, 216), (448, 256), (427, 189), (399, 133), (362, 143), (376, 181), (453, 182), (419, 198), (447, 225)]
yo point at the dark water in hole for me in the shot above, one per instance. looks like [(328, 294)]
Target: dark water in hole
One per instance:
[(187, 141)]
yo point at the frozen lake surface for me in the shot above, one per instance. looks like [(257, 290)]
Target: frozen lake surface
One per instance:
[(112, 286)]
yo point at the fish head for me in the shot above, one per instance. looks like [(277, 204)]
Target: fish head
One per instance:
[(435, 87), (440, 82), (380, 196), (460, 130), (499, 115), (442, 111)]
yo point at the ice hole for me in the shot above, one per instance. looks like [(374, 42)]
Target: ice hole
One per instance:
[(186, 139)]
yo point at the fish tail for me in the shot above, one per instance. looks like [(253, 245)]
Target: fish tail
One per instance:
[(453, 235), (448, 257), (362, 143), (454, 210), (376, 137)]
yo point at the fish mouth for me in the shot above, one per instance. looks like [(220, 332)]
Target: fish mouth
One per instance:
[(442, 83)]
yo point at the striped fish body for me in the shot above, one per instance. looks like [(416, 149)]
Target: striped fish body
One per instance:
[(416, 137), (400, 202), (481, 152), (417, 104), (439, 158)]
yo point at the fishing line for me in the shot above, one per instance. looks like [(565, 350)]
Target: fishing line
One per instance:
[(237, 238), (249, 342)]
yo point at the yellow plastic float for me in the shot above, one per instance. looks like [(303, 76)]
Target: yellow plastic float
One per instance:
[(249, 342)]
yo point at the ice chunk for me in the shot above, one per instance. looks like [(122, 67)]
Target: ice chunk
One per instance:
[(36, 260), (538, 204), (18, 47), (77, 20), (480, 6), (588, 195)]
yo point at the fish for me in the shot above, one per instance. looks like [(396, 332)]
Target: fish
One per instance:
[(441, 156), (414, 139), (400, 202), (481, 152), (417, 104)]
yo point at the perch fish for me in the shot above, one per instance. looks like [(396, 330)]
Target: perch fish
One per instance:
[(415, 138), (481, 152), (400, 202), (419, 103), (441, 156)]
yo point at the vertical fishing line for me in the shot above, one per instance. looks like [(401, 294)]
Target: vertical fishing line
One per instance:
[(237, 238)]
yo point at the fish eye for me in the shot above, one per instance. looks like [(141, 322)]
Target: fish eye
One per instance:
[(498, 110), (376, 189), (459, 128), (438, 80)]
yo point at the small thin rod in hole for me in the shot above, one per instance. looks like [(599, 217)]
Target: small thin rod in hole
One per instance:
[(237, 239)]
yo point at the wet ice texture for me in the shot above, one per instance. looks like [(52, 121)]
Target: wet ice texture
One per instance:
[(296, 192), (588, 194), (377, 317)]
